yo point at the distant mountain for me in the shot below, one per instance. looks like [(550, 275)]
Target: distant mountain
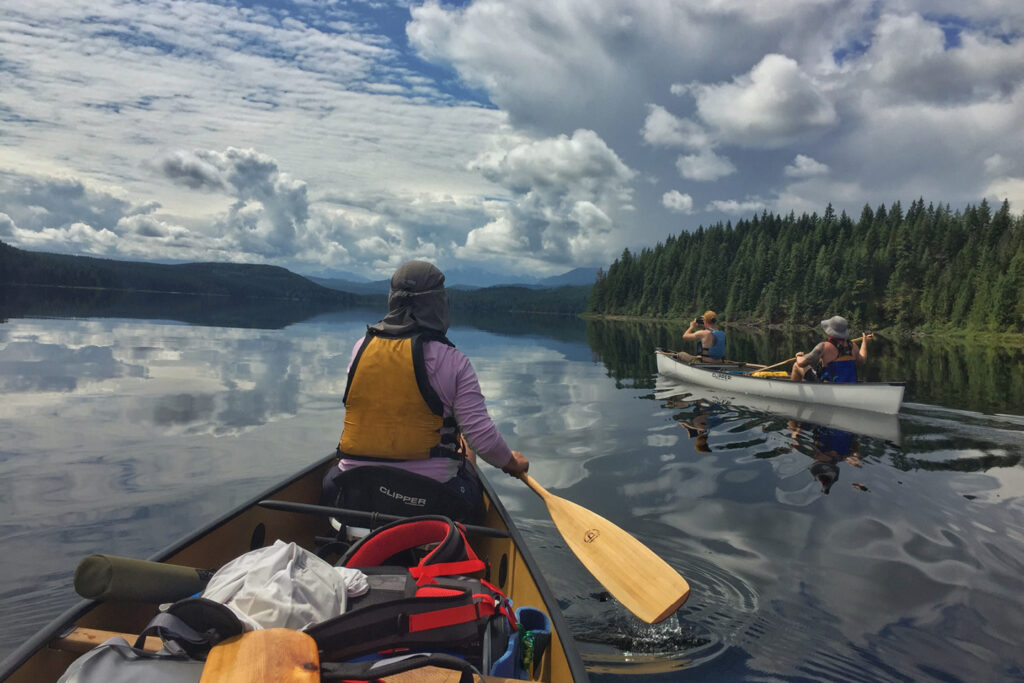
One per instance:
[(20, 267), (363, 287), (576, 276), (250, 281), (466, 278)]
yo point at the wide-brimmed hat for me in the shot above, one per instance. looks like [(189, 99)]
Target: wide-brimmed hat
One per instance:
[(837, 327), (826, 473)]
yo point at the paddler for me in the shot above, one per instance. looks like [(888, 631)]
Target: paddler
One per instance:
[(837, 356), (412, 396)]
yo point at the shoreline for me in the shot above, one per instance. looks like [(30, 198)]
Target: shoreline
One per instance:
[(958, 335)]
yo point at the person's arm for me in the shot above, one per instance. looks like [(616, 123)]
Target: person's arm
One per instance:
[(810, 358), (690, 334), (477, 425), (862, 351)]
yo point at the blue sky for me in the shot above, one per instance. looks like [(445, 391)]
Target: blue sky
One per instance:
[(532, 136)]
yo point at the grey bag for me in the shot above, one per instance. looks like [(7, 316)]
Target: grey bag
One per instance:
[(115, 661)]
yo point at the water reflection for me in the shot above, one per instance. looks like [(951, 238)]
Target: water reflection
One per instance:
[(827, 448), (219, 311), (120, 435)]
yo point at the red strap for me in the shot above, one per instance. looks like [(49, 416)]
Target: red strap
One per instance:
[(437, 592), (463, 614), (383, 544), (447, 568)]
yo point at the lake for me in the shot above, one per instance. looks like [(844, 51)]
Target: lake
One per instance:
[(894, 553)]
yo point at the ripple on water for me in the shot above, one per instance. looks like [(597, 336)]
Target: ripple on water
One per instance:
[(721, 609)]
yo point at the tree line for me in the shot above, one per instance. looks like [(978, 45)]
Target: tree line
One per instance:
[(926, 268)]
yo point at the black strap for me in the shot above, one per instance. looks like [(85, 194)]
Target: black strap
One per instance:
[(173, 631), (381, 668)]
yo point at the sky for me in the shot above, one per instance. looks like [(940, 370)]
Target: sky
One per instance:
[(530, 137)]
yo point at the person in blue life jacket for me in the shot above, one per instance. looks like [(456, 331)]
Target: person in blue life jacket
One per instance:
[(837, 356), (710, 340)]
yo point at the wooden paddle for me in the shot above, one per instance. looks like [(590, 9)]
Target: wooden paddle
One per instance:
[(790, 360), (266, 656), (629, 570)]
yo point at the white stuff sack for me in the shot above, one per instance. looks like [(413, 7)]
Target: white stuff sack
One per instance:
[(284, 586)]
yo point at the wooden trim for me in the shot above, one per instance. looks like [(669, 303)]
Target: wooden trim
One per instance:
[(81, 640)]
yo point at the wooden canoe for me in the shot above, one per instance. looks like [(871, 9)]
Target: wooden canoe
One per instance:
[(511, 567), (876, 397)]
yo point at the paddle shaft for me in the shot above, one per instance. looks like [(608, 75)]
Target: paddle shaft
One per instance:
[(790, 360), (634, 575), (724, 361)]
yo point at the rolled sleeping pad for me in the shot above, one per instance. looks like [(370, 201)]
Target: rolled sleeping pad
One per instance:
[(109, 577)]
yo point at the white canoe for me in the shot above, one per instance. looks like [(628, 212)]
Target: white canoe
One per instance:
[(877, 397)]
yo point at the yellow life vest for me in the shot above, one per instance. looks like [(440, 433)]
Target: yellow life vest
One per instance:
[(391, 411)]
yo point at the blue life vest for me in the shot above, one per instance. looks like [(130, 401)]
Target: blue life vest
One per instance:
[(717, 350), (844, 368)]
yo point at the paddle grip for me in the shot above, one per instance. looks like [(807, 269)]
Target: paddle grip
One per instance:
[(109, 577)]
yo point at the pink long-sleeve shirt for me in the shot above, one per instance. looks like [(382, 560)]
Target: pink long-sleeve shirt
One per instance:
[(453, 378)]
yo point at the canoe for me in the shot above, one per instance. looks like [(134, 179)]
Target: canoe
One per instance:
[(875, 397), (880, 426), (260, 522)]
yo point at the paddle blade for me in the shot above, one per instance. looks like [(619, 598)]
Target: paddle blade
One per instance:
[(643, 582), (273, 655)]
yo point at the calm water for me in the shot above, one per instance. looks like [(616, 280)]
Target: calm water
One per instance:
[(121, 434)]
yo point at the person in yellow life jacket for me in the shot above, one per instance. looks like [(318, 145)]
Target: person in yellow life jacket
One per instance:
[(838, 356), (412, 397)]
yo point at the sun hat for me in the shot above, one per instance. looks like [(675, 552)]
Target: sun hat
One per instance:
[(837, 327)]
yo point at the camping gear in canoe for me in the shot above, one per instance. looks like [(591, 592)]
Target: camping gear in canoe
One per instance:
[(129, 594)]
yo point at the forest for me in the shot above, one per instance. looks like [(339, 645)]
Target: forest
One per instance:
[(929, 268)]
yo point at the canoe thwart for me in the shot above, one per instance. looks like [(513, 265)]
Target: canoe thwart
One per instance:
[(371, 519)]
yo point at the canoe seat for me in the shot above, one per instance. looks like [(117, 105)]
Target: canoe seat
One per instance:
[(392, 491)]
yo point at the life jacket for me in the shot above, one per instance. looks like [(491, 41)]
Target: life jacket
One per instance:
[(717, 350), (430, 606), (391, 411), (844, 368)]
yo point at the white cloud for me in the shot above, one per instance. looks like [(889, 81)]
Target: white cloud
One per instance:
[(662, 129), (804, 166), (735, 207), (776, 103), (1007, 188), (909, 60), (997, 164), (565, 191), (704, 166), (677, 202)]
